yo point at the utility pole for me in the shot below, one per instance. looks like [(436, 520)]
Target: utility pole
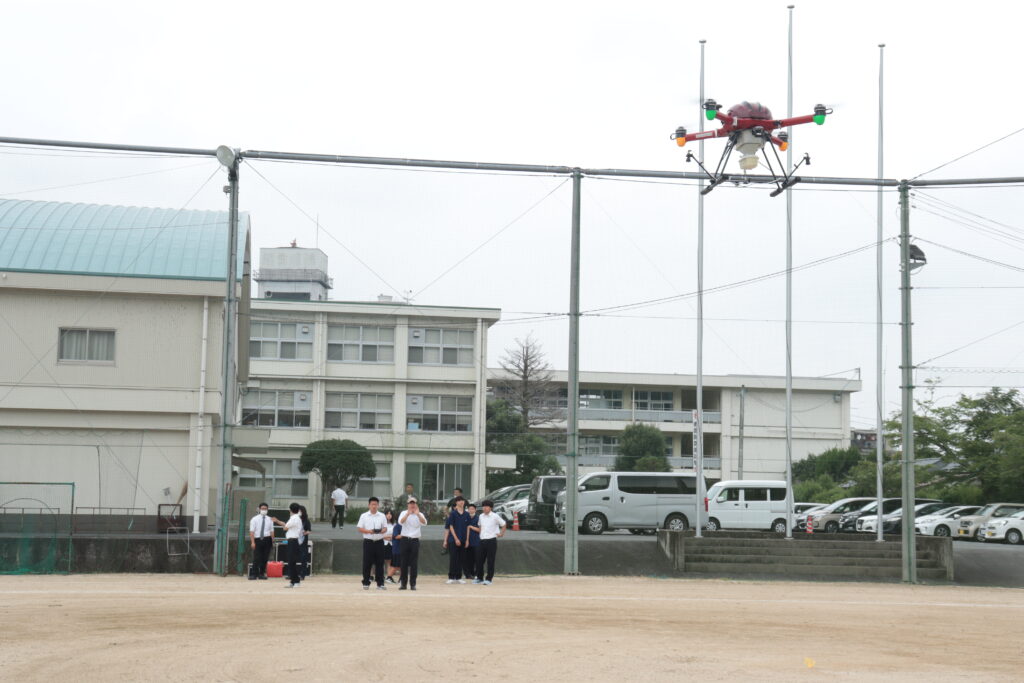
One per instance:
[(698, 414), (879, 360), (572, 565), (907, 367), (230, 159)]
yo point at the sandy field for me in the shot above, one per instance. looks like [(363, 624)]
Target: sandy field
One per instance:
[(204, 628)]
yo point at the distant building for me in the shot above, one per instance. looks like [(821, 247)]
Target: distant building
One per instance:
[(102, 384), (293, 274), (865, 440), (611, 401)]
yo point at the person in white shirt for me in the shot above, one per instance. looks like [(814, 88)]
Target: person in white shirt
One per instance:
[(412, 522), (261, 538), (292, 532), (492, 527), (340, 498), (372, 525)]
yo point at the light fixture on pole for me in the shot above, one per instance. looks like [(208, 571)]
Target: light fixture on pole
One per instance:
[(229, 158)]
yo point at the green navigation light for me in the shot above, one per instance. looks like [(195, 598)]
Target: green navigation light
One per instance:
[(709, 114), (819, 119)]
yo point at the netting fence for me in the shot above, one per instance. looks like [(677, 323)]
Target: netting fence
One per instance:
[(36, 526)]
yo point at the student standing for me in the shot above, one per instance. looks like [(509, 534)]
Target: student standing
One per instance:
[(492, 527), (389, 552), (403, 500), (340, 498), (473, 545), (372, 525), (292, 532), (412, 522), (395, 532), (456, 493), (261, 538), (307, 527), (455, 538)]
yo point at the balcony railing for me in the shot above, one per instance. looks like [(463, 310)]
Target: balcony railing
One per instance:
[(682, 416), (686, 463)]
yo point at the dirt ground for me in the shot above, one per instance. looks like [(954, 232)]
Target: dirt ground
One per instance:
[(204, 628)]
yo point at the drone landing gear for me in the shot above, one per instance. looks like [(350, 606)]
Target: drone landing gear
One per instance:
[(782, 182)]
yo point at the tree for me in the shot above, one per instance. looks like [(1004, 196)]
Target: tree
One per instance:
[(641, 442), (528, 387), (337, 462), (506, 433), (835, 463)]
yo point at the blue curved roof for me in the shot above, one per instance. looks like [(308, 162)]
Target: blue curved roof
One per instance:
[(131, 241)]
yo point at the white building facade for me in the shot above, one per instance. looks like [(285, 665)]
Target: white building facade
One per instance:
[(737, 408), (406, 381)]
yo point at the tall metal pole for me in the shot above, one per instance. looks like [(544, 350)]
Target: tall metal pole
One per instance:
[(573, 436), (227, 416), (907, 367), (789, 299), (698, 422), (743, 406), (879, 389)]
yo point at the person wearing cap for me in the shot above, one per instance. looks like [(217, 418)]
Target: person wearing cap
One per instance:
[(372, 525), (402, 502), (412, 522), (492, 527), (261, 538)]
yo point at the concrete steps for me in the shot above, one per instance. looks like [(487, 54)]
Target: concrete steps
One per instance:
[(813, 557)]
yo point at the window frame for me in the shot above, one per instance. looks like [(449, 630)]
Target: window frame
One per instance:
[(277, 409), (442, 346), (457, 418), (359, 411), (362, 344), (279, 340), (61, 331)]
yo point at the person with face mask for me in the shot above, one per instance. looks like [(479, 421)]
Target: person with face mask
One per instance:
[(261, 539), (292, 532)]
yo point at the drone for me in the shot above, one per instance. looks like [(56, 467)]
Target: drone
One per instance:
[(749, 125)]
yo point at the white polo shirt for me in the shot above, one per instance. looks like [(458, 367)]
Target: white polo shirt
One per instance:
[(262, 526), (339, 496), (293, 527), (411, 525), (369, 520), (490, 525)]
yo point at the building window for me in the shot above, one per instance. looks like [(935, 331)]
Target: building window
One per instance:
[(379, 485), (276, 408), (283, 478), (87, 346), (440, 414), (433, 346), (601, 399), (599, 445), (435, 481), (712, 445), (357, 411), (360, 344), (281, 341), (652, 400)]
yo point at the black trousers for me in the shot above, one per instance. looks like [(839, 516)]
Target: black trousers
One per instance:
[(303, 558), (456, 560), (410, 561), (473, 565), (486, 553), (260, 555), (373, 556), (339, 516), (294, 557)]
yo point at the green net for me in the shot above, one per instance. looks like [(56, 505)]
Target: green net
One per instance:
[(35, 527)]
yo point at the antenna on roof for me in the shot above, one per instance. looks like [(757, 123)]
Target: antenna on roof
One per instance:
[(295, 243)]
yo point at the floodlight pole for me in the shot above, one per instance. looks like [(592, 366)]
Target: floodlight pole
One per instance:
[(227, 416), (879, 360), (698, 414), (906, 365), (573, 433), (789, 297)]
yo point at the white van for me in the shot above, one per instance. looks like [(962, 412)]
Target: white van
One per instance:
[(747, 504), (636, 500)]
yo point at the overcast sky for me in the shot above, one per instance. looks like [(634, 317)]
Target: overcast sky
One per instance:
[(590, 84)]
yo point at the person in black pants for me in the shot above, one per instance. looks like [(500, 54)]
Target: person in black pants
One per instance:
[(455, 540), (412, 522), (307, 527), (372, 525), (292, 532), (492, 527), (261, 537)]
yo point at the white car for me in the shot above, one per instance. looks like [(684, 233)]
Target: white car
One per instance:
[(801, 512), (506, 510), (1009, 529), (943, 522)]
